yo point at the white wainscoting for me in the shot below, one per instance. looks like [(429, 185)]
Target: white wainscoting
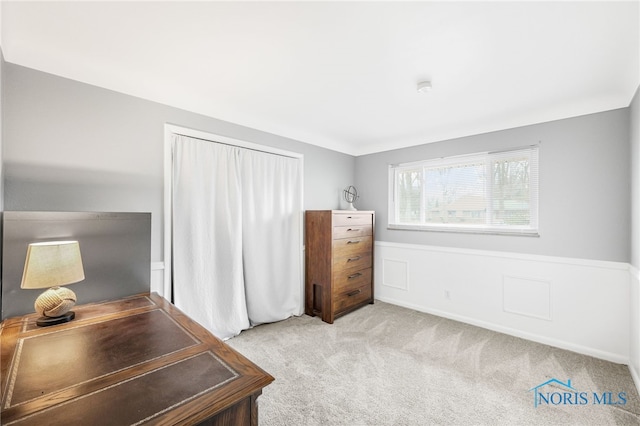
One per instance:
[(634, 335), (157, 278), (574, 304)]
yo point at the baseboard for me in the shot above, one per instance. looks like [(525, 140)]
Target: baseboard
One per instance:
[(516, 333)]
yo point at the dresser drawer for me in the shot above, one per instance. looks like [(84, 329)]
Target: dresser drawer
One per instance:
[(352, 219), (352, 231), (352, 298), (349, 247), (345, 281), (351, 263)]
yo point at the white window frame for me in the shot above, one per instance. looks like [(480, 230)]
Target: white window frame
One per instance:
[(532, 229)]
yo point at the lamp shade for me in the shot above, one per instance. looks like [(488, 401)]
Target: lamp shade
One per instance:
[(51, 264)]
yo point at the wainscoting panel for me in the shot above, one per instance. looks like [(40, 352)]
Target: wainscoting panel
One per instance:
[(395, 273), (575, 304), (527, 296)]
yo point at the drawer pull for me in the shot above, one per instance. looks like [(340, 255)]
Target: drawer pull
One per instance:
[(356, 275), (353, 259), (353, 241), (353, 293), (353, 230)]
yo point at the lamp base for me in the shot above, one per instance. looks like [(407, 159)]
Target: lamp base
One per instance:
[(47, 321)]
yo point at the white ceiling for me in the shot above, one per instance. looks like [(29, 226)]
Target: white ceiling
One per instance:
[(343, 75)]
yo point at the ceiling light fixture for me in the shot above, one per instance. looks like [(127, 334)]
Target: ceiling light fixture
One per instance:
[(424, 87)]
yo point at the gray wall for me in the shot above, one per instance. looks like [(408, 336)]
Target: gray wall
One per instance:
[(584, 188), (634, 112), (70, 146), (115, 252)]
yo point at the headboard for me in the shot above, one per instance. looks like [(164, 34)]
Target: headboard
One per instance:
[(115, 248)]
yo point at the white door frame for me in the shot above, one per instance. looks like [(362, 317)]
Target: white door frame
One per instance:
[(172, 129)]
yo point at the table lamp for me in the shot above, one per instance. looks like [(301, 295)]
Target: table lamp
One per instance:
[(53, 264)]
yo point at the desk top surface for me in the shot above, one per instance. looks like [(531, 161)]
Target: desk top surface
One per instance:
[(130, 361)]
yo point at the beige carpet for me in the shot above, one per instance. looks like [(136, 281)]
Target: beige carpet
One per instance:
[(387, 365)]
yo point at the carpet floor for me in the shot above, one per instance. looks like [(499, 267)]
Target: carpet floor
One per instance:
[(388, 365)]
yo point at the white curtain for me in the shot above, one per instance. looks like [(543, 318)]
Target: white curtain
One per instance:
[(236, 235)]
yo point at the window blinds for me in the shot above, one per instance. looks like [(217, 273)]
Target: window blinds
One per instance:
[(482, 192)]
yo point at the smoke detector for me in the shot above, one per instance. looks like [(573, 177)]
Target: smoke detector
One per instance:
[(424, 87)]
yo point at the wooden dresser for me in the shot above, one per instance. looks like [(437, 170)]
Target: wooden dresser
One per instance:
[(137, 360), (339, 261)]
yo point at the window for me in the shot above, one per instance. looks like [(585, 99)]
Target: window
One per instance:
[(493, 192)]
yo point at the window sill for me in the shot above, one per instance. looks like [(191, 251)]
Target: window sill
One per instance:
[(467, 230)]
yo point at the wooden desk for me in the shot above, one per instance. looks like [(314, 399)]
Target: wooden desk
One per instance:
[(132, 361)]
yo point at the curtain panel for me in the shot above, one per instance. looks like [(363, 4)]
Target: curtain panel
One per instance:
[(236, 235)]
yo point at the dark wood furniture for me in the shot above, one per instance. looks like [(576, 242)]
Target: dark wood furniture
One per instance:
[(339, 261), (137, 360)]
